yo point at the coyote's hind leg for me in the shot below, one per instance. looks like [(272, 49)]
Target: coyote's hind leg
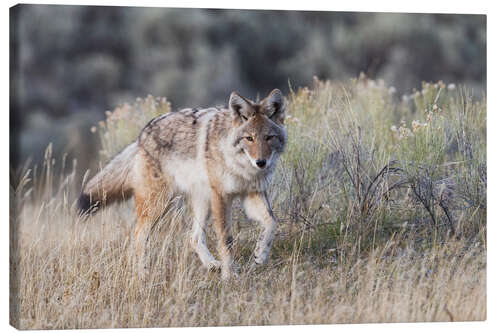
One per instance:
[(149, 209), (151, 200)]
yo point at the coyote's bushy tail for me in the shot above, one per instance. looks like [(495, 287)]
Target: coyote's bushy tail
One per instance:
[(111, 184)]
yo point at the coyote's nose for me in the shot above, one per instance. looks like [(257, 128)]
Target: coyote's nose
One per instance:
[(261, 163)]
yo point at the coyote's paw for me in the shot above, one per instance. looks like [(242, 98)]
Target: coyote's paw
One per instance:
[(228, 273), (214, 266), (254, 266), (259, 260)]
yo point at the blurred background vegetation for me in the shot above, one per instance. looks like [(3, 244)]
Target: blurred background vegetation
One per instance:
[(72, 63)]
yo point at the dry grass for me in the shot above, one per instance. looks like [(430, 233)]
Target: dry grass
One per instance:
[(74, 275), (346, 251)]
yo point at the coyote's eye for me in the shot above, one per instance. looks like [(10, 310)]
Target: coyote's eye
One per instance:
[(249, 138), (269, 137)]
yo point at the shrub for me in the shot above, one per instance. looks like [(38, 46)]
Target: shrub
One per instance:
[(367, 164)]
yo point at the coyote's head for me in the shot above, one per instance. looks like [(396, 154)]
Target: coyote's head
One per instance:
[(260, 132)]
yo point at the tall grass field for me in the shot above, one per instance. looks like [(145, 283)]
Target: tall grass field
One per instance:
[(381, 203)]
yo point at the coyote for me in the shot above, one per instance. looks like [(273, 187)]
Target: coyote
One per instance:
[(211, 156)]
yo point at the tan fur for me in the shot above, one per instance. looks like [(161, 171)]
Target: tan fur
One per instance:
[(212, 156)]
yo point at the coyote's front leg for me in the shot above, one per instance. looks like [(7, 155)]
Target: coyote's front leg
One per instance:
[(257, 208), (201, 214), (221, 210)]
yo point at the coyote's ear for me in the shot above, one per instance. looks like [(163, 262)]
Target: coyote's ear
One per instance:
[(240, 105), (274, 105)]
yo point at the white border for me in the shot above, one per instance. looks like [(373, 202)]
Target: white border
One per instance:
[(422, 6)]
